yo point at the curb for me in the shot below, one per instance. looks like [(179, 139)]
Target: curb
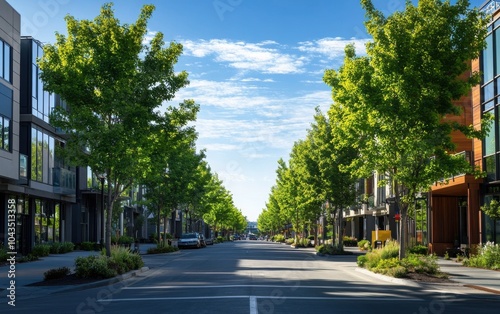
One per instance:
[(399, 281), (104, 282)]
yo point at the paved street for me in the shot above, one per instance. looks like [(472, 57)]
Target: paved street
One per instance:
[(259, 277)]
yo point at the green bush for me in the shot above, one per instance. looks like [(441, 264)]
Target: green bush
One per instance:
[(67, 247), (27, 258), (3, 254), (93, 266), (61, 247), (362, 260), (331, 250), (364, 245), (162, 249), (350, 241), (41, 250), (279, 238), (220, 239), (88, 246), (311, 237), (390, 250), (418, 249), (56, 273), (125, 240), (487, 257), (101, 266), (418, 263)]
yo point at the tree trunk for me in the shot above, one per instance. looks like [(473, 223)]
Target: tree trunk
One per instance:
[(341, 231), (109, 215), (402, 233), (165, 230)]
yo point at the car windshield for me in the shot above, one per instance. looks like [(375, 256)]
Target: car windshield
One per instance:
[(188, 236)]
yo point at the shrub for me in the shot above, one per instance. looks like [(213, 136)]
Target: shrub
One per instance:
[(41, 250), (125, 240), (418, 249), (362, 260), (162, 249), (279, 238), (488, 257), (364, 245), (93, 266), (292, 241), (390, 250), (220, 239), (61, 247), (331, 250), (3, 254), (311, 237), (350, 241), (421, 264), (56, 273), (66, 247), (88, 246), (55, 248), (27, 258)]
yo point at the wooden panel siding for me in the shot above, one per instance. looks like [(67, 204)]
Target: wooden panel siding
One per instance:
[(444, 223)]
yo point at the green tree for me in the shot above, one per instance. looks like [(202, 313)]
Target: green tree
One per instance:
[(113, 86), (395, 99)]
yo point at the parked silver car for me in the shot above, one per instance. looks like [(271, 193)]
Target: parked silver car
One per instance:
[(193, 239), (209, 241)]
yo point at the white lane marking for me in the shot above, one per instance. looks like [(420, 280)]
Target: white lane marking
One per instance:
[(253, 305)]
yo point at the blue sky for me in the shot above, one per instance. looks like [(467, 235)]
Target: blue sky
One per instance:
[(255, 68)]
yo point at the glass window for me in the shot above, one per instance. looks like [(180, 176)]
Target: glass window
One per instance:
[(34, 51), (489, 142), (51, 150), (45, 152), (488, 91), (491, 168), (487, 64), (6, 134), (33, 153), (39, 155), (23, 166), (6, 63), (1, 58)]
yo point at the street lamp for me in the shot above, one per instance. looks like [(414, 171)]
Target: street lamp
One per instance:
[(101, 177)]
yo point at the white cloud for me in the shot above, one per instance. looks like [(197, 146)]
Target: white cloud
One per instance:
[(332, 48), (148, 37), (246, 56)]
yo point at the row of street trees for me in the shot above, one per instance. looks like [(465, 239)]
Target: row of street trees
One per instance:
[(389, 114), (115, 86)]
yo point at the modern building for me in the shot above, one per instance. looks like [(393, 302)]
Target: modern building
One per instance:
[(13, 166), (486, 100)]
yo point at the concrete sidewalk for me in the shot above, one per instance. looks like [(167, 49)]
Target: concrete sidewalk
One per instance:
[(32, 272)]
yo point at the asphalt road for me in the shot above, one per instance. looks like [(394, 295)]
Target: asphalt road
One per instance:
[(259, 277)]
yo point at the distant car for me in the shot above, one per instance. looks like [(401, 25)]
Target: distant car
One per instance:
[(209, 241), (193, 239), (236, 237), (252, 237)]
